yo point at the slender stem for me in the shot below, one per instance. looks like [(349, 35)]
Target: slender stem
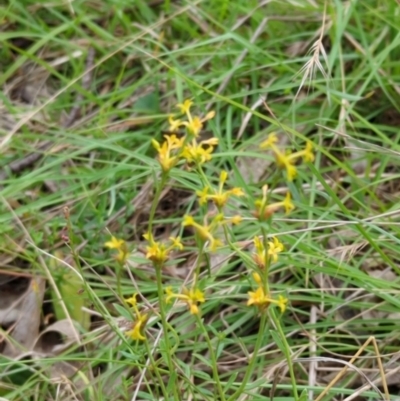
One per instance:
[(213, 360), (119, 273), (156, 199), (286, 350), (155, 369), (168, 348), (160, 289), (71, 240), (266, 261), (250, 367)]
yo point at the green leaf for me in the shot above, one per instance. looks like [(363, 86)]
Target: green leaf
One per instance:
[(69, 286), (277, 339), (304, 395), (122, 311)]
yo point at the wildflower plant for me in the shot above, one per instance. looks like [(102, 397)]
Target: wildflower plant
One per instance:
[(192, 297), (210, 221), (158, 252), (286, 159), (187, 148), (121, 257), (120, 246), (264, 210), (138, 325), (218, 197), (261, 299), (182, 210)]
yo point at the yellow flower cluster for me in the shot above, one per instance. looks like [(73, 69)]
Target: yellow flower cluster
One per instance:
[(206, 231), (261, 299), (188, 148), (168, 151), (183, 145), (136, 332), (219, 197), (120, 246), (264, 256), (192, 297), (288, 160), (264, 211), (266, 252), (158, 252)]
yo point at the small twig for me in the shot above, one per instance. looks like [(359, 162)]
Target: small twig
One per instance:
[(18, 165), (350, 364)]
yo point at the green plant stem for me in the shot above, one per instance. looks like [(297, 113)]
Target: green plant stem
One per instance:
[(214, 363), (160, 289), (156, 371), (165, 325), (266, 261), (119, 273), (250, 368), (164, 177), (71, 237), (286, 350)]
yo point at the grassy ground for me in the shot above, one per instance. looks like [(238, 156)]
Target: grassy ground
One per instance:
[(88, 89)]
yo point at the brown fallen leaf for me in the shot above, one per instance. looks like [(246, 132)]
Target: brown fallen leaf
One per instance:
[(56, 338), (25, 328)]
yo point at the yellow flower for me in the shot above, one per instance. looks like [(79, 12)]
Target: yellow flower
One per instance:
[(115, 243), (191, 297), (188, 220), (132, 300), (260, 299), (185, 106), (308, 155), (274, 247), (158, 252), (195, 152), (136, 333), (210, 142), (174, 125), (236, 220), (261, 256), (209, 115), (194, 123), (271, 140), (219, 197), (288, 160), (203, 195), (265, 211), (291, 170), (166, 159), (205, 232), (282, 302), (257, 278), (194, 126), (170, 294), (121, 246), (176, 243), (287, 203)]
